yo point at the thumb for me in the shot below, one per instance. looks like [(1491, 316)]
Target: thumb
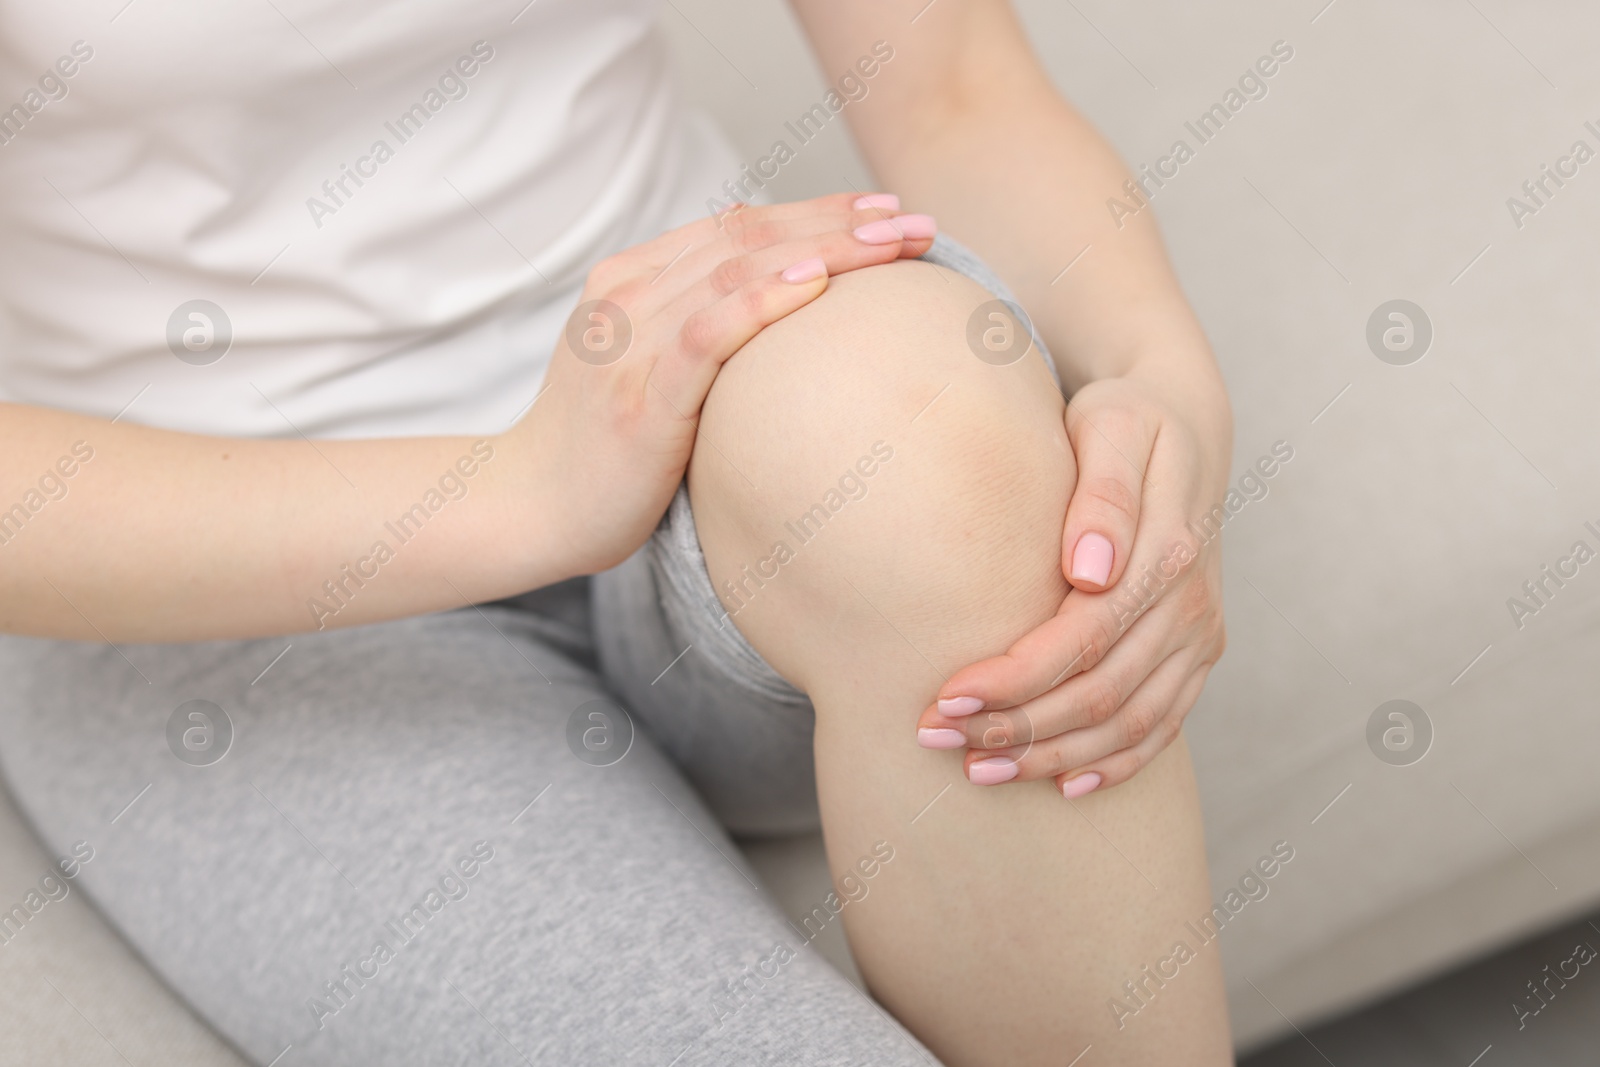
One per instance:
[(1112, 454)]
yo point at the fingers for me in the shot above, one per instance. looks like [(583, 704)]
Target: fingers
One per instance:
[(916, 232), (837, 248), (912, 234), (864, 237), (880, 206), (1077, 637), (693, 296), (881, 202), (688, 363), (1088, 625), (1113, 451), (1120, 766), (1084, 700), (654, 254), (1143, 725), (725, 256), (645, 261)]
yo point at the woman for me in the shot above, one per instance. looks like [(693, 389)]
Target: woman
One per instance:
[(300, 409)]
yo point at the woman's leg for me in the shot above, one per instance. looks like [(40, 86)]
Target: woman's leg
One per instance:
[(918, 493), (416, 786)]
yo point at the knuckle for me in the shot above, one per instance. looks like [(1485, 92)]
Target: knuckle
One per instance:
[(625, 292), (1100, 702), (1114, 497), (1130, 420), (1122, 769), (1098, 644), (1137, 722), (758, 233), (735, 219), (730, 274), (1057, 759), (698, 335), (1001, 731), (753, 301)]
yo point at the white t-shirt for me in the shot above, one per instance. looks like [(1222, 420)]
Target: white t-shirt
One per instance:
[(329, 217)]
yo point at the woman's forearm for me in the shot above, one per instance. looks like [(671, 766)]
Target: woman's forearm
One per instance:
[(113, 531), (964, 124), (1036, 205)]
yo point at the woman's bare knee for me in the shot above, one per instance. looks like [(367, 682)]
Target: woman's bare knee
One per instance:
[(859, 463)]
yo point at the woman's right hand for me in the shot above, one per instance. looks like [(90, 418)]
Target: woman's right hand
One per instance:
[(617, 417)]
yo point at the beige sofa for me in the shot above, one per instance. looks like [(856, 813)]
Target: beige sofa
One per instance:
[(1379, 566)]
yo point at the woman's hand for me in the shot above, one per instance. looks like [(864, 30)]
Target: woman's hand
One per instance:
[(1092, 695), (619, 413)]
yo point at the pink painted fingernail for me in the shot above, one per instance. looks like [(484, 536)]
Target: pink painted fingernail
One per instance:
[(887, 201), (940, 737), (805, 270), (1073, 788), (955, 707), (992, 771), (1091, 560), (888, 231)]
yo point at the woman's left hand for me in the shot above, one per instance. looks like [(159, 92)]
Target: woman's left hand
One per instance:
[(1093, 694)]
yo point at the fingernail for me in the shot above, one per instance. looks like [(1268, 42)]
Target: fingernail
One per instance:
[(1073, 788), (942, 737), (887, 231), (992, 771), (805, 270), (887, 201), (1091, 560), (955, 707)]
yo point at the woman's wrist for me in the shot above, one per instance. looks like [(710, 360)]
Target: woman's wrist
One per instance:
[(524, 524), (1185, 384)]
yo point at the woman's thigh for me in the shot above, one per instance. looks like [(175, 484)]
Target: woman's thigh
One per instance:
[(411, 853)]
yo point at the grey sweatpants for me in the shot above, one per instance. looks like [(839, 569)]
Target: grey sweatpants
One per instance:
[(491, 836)]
